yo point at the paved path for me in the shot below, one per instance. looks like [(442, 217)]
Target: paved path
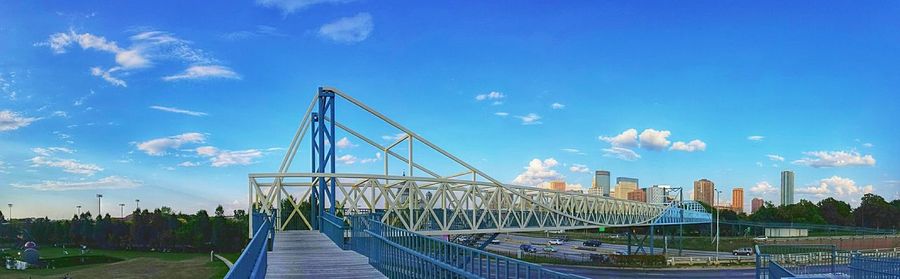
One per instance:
[(655, 273), (228, 263), (309, 254)]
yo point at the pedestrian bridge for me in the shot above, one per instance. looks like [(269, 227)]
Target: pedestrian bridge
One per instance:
[(391, 219)]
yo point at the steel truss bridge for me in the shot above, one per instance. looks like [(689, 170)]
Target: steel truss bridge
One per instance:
[(428, 202)]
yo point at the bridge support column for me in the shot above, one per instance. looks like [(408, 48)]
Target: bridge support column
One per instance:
[(323, 155)]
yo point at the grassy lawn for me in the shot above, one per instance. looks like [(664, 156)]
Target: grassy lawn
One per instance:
[(134, 264)]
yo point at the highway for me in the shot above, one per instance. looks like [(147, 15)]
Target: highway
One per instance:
[(594, 272), (510, 244)]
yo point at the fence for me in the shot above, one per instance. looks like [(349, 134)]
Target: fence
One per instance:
[(399, 253), (334, 227), (825, 261), (253, 260)]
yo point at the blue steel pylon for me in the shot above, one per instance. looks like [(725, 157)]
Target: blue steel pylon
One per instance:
[(322, 158)]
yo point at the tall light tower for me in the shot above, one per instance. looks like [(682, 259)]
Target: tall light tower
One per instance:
[(137, 204), (78, 210), (717, 224), (10, 211), (122, 210), (99, 204)]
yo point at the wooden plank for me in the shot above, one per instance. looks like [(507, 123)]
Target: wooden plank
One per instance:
[(310, 254)]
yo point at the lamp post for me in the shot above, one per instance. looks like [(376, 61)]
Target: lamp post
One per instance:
[(137, 204), (717, 224), (10, 211), (78, 210), (99, 203), (122, 210)]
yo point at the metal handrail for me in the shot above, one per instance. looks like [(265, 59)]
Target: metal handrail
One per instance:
[(253, 260)]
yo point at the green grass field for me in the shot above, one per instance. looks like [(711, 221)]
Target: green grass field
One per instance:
[(154, 264)]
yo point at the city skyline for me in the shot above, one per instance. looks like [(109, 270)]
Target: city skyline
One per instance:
[(176, 106)]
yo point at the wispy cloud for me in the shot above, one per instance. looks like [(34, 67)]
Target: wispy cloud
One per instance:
[(756, 138), (158, 147), (827, 159), (349, 30), (495, 97), (10, 120), (500, 113), (46, 158), (578, 168), (621, 153), (692, 146), (204, 72), (530, 119), (774, 157), (557, 106), (260, 31), (106, 183), (290, 6), (178, 110)]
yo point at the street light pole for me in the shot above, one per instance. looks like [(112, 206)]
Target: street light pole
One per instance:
[(137, 204), (99, 203), (122, 209), (10, 211), (717, 225), (78, 209)]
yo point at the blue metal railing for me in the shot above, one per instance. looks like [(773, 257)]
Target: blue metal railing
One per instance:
[(253, 261), (334, 227), (778, 272), (873, 267), (399, 253)]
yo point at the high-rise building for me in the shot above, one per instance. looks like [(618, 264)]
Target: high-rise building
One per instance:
[(637, 195), (737, 199), (787, 187), (755, 204), (656, 194), (704, 191), (625, 185), (558, 185), (601, 181)]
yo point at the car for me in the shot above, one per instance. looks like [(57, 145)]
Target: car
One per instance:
[(761, 238), (592, 243), (495, 241), (549, 248), (556, 241), (621, 252), (528, 248), (746, 251)]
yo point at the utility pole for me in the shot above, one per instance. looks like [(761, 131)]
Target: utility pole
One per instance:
[(122, 210), (99, 203)]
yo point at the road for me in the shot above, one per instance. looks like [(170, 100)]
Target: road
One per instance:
[(655, 273), (510, 244)]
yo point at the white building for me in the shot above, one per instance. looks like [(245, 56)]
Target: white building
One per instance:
[(656, 194)]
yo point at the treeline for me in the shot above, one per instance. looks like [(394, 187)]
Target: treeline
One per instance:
[(873, 212), (160, 230)]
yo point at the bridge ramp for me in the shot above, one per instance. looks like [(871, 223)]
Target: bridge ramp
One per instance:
[(310, 254)]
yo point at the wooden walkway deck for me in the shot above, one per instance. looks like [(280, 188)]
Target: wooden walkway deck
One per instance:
[(310, 254)]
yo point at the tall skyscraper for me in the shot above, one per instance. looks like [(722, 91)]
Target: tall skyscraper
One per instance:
[(756, 203), (625, 185), (704, 190), (787, 187), (656, 194), (601, 181), (558, 185), (737, 199)]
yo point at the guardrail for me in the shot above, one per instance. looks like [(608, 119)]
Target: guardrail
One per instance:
[(710, 260), (809, 226), (400, 253), (254, 260), (334, 227)]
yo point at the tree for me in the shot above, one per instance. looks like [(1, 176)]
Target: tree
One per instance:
[(875, 212), (836, 212)]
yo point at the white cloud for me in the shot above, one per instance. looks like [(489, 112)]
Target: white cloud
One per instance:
[(188, 164), (10, 120), (628, 138), (352, 29), (8, 85), (500, 113), (369, 160), (538, 172), (557, 106), (347, 159), (868, 145), (571, 150), (578, 168), (241, 157), (289, 6), (621, 153), (694, 145), (756, 138), (158, 147), (48, 151), (178, 110), (261, 30), (839, 187), (106, 183), (344, 143), (394, 137), (204, 72), (763, 187), (67, 165), (654, 140), (826, 159), (530, 119), (774, 157), (207, 151), (490, 96)]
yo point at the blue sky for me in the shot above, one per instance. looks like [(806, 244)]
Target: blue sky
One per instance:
[(174, 103)]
